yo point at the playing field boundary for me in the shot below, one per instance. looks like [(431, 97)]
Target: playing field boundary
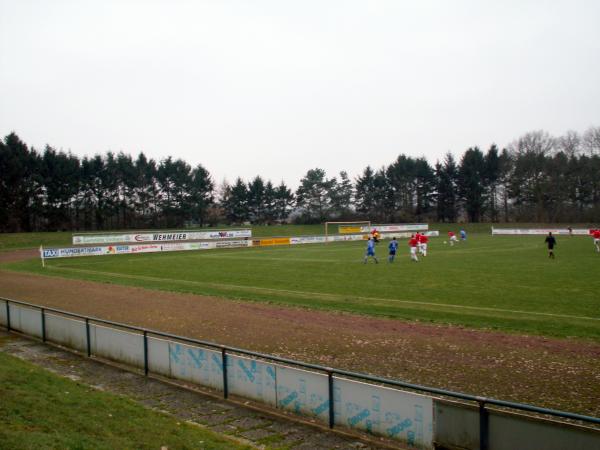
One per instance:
[(321, 295)]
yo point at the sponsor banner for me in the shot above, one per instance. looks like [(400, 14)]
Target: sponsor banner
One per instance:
[(307, 239), (396, 228), (183, 246), (353, 237), (160, 236), (347, 229), (229, 244), (274, 241), (347, 237), (50, 253), (537, 231), (431, 233), (67, 252)]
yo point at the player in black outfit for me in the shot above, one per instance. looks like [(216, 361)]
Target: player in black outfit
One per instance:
[(551, 241)]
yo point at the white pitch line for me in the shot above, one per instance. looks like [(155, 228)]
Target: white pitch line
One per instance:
[(325, 295)]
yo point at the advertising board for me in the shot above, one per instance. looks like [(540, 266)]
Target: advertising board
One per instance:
[(540, 231), (84, 239)]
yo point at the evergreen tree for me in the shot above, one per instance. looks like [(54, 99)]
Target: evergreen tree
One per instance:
[(19, 184), (269, 211), (284, 199), (447, 176), (492, 176), (61, 176), (313, 195), (256, 200), (235, 202), (365, 193), (201, 194), (472, 183), (424, 188)]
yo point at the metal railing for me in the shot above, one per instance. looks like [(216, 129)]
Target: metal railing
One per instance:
[(482, 402)]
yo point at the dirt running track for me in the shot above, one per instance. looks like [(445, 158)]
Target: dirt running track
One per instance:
[(556, 373)]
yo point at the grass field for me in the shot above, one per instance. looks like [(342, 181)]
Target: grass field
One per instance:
[(505, 283), (48, 411)]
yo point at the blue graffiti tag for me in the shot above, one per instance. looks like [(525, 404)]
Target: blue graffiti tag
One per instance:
[(174, 354), (410, 438), (271, 372), (359, 417), (321, 408), (289, 399), (218, 362), (197, 357), (247, 371), (399, 428)]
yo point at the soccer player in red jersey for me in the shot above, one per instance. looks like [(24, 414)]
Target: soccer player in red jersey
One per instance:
[(413, 243), (423, 240), (418, 238), (596, 236), (452, 237)]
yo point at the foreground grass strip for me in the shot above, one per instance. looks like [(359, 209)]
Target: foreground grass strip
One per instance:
[(41, 410)]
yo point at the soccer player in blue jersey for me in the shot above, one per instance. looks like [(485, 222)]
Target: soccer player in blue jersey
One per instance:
[(371, 250), (393, 247)]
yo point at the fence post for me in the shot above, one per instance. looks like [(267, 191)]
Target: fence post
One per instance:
[(87, 336), (145, 353), (43, 325), (331, 412), (7, 316), (224, 361), (483, 425)]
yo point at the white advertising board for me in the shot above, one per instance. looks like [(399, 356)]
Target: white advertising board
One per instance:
[(303, 392), (538, 231), (65, 331), (50, 253), (26, 320), (117, 345), (395, 228), (84, 239), (196, 364), (388, 412), (251, 379)]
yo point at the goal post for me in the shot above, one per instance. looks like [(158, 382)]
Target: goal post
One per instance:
[(349, 224)]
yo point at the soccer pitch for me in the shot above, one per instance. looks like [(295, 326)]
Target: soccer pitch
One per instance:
[(501, 282)]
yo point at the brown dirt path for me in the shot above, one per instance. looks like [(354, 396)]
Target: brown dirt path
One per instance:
[(556, 373)]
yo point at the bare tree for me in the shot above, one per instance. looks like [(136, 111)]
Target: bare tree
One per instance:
[(569, 143), (534, 142), (591, 140)]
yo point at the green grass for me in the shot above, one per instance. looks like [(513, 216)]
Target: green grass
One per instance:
[(41, 410), (502, 282)]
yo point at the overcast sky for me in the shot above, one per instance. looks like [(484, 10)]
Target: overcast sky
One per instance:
[(279, 87)]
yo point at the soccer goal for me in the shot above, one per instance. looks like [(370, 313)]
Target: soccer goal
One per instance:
[(347, 227)]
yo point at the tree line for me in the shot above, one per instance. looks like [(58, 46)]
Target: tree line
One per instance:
[(537, 178)]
